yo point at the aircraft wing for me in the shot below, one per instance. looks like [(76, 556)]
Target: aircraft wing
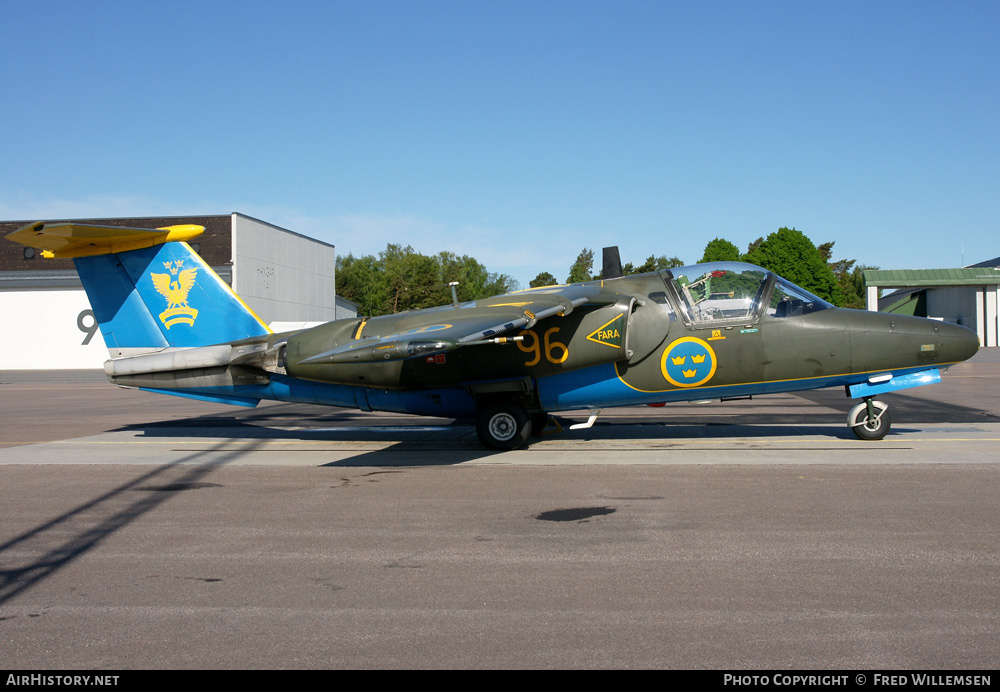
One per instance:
[(438, 330)]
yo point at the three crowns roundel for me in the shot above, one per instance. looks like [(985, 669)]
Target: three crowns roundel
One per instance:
[(688, 362)]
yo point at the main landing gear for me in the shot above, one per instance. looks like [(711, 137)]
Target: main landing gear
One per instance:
[(508, 426), (870, 419)]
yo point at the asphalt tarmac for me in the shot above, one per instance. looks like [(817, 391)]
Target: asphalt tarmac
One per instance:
[(143, 531)]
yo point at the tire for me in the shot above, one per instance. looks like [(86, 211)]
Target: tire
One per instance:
[(858, 421), (504, 427)]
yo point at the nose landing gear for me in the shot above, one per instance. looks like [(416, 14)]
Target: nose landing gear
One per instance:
[(870, 419)]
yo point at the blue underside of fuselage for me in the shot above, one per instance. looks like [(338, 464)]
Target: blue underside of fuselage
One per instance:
[(600, 387), (588, 388)]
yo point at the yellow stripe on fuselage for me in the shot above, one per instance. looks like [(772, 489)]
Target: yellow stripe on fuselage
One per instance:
[(747, 384)]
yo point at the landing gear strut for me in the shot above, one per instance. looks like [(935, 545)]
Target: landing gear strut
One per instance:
[(538, 422), (870, 419)]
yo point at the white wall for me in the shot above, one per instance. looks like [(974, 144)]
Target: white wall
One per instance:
[(992, 326), (282, 276), (974, 307), (953, 304), (43, 330)]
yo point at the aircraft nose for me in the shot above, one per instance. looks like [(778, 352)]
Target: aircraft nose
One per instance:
[(957, 343)]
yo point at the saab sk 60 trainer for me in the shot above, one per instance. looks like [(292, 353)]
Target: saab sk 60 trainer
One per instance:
[(701, 332)]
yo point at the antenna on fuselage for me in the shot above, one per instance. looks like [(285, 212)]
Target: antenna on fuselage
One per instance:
[(611, 267)]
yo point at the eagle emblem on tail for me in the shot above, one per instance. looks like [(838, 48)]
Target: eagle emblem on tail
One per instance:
[(175, 287)]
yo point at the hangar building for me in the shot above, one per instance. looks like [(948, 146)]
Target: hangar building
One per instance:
[(286, 278), (968, 296)]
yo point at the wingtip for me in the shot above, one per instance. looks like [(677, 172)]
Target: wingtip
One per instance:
[(21, 234)]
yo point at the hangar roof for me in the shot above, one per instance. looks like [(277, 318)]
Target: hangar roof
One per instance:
[(971, 276), (995, 262)]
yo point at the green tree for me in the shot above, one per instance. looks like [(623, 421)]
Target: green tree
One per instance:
[(474, 281), (402, 279), (789, 253), (359, 280), (852, 284), (850, 278), (720, 250), (543, 279), (652, 264), (582, 269)]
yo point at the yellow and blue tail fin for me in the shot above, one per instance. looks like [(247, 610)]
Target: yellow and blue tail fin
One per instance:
[(149, 290)]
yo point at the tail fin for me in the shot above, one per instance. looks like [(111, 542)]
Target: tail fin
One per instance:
[(148, 288)]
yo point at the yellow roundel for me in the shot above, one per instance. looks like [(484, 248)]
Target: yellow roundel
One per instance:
[(688, 362)]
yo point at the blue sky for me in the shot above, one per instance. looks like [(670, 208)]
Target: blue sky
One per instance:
[(517, 132)]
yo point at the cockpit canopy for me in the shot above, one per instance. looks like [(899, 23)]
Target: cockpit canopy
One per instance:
[(733, 292)]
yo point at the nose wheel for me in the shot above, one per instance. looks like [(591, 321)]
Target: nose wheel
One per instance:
[(870, 419)]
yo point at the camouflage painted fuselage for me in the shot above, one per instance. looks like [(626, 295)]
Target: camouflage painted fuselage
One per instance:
[(643, 339)]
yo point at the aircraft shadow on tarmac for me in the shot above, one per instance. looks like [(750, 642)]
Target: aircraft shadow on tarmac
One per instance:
[(416, 441), (455, 442)]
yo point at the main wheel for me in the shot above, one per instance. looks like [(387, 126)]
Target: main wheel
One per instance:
[(866, 429), (503, 427)]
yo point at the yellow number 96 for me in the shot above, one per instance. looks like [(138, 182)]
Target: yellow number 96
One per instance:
[(532, 344)]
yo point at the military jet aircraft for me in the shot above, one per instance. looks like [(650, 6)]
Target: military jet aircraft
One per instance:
[(701, 332)]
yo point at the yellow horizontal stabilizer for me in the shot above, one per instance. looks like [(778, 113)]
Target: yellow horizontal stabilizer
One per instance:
[(64, 240)]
